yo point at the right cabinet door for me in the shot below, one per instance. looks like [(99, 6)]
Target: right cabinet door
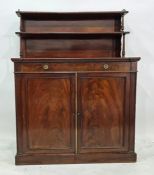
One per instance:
[(103, 112)]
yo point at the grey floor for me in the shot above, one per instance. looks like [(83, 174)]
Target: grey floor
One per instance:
[(144, 165)]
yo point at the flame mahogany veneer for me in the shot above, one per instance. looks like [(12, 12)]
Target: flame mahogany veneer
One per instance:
[(75, 90)]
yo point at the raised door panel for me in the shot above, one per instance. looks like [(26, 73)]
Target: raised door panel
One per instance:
[(49, 113), (103, 106)]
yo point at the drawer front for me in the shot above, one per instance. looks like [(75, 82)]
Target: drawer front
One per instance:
[(78, 67)]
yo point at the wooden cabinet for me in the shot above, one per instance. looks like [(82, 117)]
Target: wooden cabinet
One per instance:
[(74, 109), (78, 115)]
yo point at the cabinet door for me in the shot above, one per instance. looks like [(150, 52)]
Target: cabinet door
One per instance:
[(47, 109), (103, 112)]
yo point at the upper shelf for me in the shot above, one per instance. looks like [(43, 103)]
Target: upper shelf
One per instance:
[(72, 34), (70, 15), (69, 35), (95, 22)]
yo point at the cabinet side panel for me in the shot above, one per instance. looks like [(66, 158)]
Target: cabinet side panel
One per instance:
[(133, 78), (19, 94)]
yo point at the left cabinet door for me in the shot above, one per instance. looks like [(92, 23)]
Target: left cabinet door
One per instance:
[(45, 113)]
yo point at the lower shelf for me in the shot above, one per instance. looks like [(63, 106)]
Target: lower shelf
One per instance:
[(36, 159)]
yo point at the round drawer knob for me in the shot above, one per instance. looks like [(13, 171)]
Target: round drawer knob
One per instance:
[(45, 67), (106, 66)]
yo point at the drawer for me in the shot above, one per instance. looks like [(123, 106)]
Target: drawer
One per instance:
[(51, 67)]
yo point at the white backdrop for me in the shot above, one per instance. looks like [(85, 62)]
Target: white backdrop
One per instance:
[(139, 21)]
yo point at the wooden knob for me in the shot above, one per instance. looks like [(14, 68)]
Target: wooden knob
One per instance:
[(45, 67), (78, 113), (106, 66)]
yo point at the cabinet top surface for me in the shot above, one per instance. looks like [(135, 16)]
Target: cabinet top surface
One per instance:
[(115, 59)]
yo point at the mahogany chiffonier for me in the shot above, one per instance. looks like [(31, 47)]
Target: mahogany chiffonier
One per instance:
[(75, 89)]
